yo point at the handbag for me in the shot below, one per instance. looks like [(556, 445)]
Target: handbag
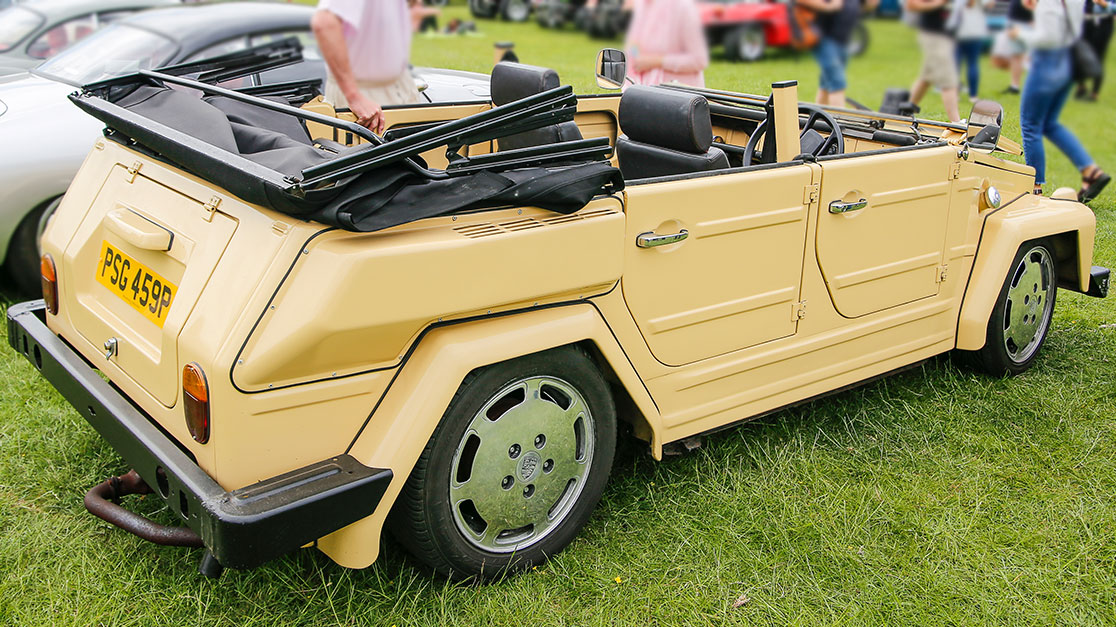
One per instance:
[(803, 29), (1086, 63)]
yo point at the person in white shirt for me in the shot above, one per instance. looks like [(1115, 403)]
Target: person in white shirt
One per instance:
[(366, 45)]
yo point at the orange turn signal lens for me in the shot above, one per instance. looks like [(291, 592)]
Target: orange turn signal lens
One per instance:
[(195, 401), (49, 275)]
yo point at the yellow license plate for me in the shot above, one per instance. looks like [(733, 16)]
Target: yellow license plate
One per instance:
[(135, 283)]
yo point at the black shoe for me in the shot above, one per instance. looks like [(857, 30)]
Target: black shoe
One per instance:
[(1011, 89), (1092, 186)]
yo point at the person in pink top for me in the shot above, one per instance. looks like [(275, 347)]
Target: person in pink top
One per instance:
[(666, 42), (367, 46)]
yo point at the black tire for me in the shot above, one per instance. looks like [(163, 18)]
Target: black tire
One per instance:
[(515, 10), (746, 43), (858, 41), (551, 15), (22, 262), (483, 9), (583, 17), (425, 521), (1023, 290)]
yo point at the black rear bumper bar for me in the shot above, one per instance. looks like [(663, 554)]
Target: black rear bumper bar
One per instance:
[(1098, 282), (242, 528)]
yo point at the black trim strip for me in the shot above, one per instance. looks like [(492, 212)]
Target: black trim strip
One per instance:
[(232, 369)]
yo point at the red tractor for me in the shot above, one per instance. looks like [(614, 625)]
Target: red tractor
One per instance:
[(747, 28)]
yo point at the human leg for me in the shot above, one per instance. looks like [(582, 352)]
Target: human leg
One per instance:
[(830, 55), (970, 51), (1033, 108)]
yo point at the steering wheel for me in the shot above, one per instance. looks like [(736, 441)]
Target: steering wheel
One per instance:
[(834, 144)]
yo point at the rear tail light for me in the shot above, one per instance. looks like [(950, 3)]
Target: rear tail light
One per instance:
[(195, 400), (49, 275)]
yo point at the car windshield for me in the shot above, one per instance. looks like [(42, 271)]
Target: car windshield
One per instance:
[(114, 51), (16, 23)]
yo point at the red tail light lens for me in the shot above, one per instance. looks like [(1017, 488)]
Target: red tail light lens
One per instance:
[(195, 401), (50, 283)]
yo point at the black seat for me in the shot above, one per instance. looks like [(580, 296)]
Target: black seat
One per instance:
[(515, 81), (665, 132)]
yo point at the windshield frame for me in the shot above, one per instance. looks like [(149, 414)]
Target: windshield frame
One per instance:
[(35, 29), (176, 48)]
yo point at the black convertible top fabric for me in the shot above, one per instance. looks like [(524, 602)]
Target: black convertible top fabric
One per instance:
[(385, 197)]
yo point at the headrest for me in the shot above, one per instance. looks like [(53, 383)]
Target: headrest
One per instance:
[(515, 81), (666, 118)]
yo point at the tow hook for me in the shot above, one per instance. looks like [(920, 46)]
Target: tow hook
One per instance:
[(102, 501)]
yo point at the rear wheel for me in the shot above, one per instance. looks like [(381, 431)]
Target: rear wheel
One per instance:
[(514, 469), (22, 263), (1024, 309), (746, 43)]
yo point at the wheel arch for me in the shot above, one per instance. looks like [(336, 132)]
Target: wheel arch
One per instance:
[(402, 423), (1069, 224)]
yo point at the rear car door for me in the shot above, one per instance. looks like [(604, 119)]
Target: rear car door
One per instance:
[(882, 226), (735, 280)]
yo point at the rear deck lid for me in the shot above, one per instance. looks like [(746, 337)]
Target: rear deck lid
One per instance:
[(137, 265)]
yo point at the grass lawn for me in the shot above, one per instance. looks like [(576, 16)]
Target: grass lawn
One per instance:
[(935, 496)]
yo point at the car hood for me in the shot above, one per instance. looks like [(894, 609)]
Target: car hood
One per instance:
[(28, 96), (453, 85), (15, 64)]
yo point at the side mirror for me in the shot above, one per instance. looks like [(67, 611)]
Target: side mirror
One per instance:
[(985, 122), (612, 68)]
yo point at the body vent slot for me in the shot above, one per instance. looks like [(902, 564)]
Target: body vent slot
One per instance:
[(521, 224), (486, 229)]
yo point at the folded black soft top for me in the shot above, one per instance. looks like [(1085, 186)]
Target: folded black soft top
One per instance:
[(259, 150)]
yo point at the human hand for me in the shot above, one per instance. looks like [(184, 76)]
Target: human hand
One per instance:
[(645, 62), (368, 113)]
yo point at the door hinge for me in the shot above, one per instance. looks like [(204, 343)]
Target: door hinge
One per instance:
[(955, 171), (811, 193), (942, 271), (211, 207), (798, 311), (133, 171)]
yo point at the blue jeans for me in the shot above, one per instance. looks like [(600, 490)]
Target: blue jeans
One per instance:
[(832, 57), (1044, 95), (968, 52)]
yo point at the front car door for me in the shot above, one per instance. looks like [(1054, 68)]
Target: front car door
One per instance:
[(882, 226)]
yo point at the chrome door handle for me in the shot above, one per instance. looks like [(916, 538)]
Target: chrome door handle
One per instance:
[(651, 240), (844, 207)]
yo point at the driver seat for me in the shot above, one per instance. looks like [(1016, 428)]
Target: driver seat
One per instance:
[(666, 132), (515, 81)]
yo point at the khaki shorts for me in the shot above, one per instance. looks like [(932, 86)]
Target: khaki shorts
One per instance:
[(398, 92), (939, 61)]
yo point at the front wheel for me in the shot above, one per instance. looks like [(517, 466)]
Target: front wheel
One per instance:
[(514, 469), (747, 43), (1024, 309), (516, 10), (858, 41), (483, 8)]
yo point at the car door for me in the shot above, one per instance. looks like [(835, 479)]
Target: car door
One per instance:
[(882, 226), (734, 281)]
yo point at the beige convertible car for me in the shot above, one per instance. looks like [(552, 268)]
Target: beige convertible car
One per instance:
[(299, 333)]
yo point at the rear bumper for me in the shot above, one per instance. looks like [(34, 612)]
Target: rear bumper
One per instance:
[(242, 528)]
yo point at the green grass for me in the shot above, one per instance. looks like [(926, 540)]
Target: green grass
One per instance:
[(935, 496)]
